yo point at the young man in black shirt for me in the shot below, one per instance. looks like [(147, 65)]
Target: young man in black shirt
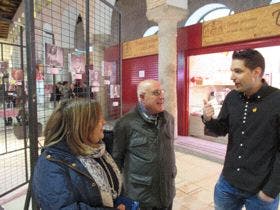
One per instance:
[(250, 115)]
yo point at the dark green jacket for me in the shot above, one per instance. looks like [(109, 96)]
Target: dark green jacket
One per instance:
[(144, 151)]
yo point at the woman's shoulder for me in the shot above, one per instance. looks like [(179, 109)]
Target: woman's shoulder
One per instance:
[(58, 152)]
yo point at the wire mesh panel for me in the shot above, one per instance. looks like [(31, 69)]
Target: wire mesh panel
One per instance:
[(66, 67), (77, 55), (13, 124), (105, 25)]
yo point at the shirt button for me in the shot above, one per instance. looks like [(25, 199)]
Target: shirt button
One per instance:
[(73, 164), (241, 145), (239, 156), (246, 106), (244, 118), (245, 110), (242, 132), (244, 121), (238, 169), (245, 113)]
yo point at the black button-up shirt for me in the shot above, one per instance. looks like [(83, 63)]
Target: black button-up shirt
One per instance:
[(252, 161)]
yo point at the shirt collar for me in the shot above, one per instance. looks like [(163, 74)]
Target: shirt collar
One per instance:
[(262, 92)]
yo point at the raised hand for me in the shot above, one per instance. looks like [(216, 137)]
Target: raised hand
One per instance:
[(208, 110)]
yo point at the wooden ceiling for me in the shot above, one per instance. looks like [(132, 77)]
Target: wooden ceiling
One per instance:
[(8, 9)]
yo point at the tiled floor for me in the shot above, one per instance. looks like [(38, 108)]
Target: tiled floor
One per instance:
[(195, 182)]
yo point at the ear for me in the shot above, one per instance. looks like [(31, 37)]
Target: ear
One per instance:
[(257, 72), (142, 96)]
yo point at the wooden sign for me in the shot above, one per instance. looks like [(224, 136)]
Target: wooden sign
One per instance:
[(253, 24), (141, 47)]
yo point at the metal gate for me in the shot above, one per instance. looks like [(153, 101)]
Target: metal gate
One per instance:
[(13, 150), (72, 50)]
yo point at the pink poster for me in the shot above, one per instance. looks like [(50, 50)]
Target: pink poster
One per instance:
[(78, 64)]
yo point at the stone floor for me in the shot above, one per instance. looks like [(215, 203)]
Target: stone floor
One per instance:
[(199, 164), (195, 182)]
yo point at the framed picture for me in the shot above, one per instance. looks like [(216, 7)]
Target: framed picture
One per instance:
[(78, 64), (54, 55), (4, 66), (114, 91), (94, 78)]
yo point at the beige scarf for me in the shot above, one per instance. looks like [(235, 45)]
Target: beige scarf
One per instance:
[(108, 193)]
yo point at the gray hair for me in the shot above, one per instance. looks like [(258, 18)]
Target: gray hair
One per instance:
[(143, 86)]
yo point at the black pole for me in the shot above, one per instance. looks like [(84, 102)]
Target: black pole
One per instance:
[(87, 49), (4, 77), (31, 80), (120, 64), (22, 99), (54, 78)]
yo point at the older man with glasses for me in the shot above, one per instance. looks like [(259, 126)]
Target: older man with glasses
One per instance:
[(144, 151)]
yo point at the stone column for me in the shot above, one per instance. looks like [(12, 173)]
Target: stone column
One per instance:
[(99, 41), (167, 17)]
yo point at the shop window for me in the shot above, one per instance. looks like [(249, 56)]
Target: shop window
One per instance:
[(208, 12)]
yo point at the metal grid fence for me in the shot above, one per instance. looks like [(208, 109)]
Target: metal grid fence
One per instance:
[(77, 54)]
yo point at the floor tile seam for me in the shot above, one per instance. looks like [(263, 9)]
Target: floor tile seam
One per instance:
[(201, 144), (222, 149), (219, 155)]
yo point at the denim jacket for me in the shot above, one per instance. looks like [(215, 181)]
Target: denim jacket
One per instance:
[(60, 181)]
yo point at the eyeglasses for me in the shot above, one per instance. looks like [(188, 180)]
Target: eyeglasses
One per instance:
[(158, 92)]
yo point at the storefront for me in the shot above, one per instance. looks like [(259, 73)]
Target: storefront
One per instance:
[(204, 58), (207, 49)]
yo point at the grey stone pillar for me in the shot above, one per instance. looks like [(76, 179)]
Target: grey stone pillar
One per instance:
[(167, 18), (98, 57)]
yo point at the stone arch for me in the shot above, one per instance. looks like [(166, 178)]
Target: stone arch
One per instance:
[(151, 31), (207, 9)]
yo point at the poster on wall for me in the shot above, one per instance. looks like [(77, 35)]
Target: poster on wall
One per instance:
[(51, 70), (17, 74), (39, 72), (115, 103), (3, 67), (114, 91), (54, 55), (94, 78), (77, 66), (109, 70), (48, 88), (95, 89)]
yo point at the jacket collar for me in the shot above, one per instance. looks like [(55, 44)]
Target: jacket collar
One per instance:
[(152, 119), (60, 152)]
